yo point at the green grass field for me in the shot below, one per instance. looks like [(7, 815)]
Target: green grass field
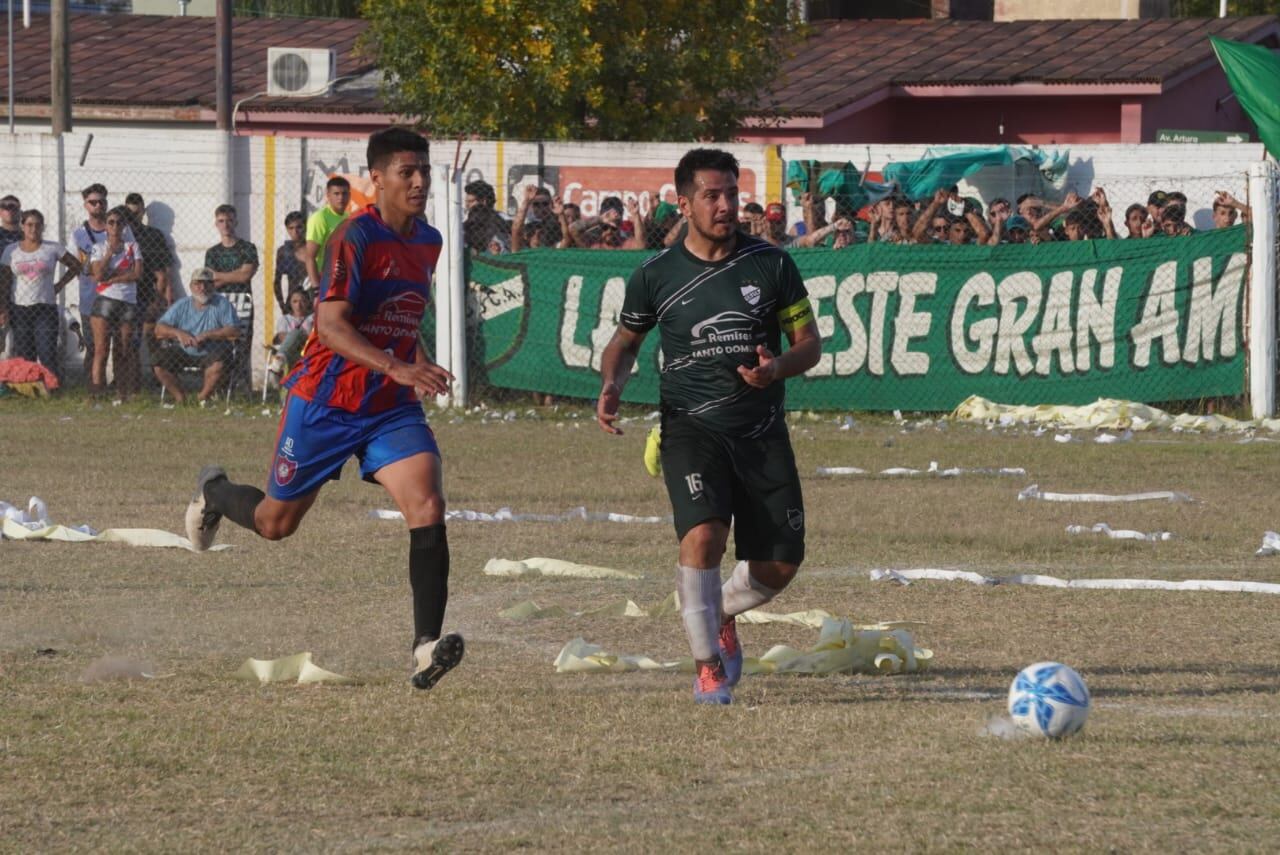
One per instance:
[(1180, 753)]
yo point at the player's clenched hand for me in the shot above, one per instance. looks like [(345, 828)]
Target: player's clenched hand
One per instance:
[(426, 378), (607, 408), (765, 372)]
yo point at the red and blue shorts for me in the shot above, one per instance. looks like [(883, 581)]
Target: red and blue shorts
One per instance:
[(315, 441)]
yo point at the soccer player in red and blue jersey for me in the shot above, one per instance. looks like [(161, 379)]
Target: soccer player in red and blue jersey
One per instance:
[(356, 390)]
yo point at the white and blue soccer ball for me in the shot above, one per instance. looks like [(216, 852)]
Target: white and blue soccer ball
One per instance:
[(1049, 699)]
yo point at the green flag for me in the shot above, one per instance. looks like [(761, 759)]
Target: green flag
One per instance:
[(1254, 74)]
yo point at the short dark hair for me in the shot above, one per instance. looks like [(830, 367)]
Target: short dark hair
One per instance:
[(121, 212), (134, 199), (1136, 206), (702, 158), (1076, 218), (1178, 196), (11, 198), (293, 217), (225, 209), (1174, 211), (93, 188), (753, 208), (30, 212), (337, 181), (1024, 197), (902, 202), (389, 141), (482, 190)]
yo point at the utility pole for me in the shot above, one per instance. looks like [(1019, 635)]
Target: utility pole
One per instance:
[(60, 67), (222, 79), (223, 74)]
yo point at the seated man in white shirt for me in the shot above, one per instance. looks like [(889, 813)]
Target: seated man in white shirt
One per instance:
[(196, 331)]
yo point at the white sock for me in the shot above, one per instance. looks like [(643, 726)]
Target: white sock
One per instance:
[(742, 592), (700, 609)]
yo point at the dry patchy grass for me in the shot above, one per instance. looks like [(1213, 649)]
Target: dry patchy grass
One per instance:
[(1180, 753)]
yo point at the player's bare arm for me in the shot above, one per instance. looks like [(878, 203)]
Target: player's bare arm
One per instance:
[(803, 353), (336, 332), (615, 369)]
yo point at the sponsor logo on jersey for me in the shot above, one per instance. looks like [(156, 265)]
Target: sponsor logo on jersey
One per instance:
[(726, 326)]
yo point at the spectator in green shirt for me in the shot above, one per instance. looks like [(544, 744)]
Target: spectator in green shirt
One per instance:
[(321, 224)]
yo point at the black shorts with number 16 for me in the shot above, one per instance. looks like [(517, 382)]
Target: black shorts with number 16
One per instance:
[(752, 481)]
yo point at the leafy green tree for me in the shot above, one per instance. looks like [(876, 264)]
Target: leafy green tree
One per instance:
[(297, 8), (579, 69), (1235, 8)]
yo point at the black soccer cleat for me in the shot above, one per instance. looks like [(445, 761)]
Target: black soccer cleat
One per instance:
[(434, 659), (202, 523)]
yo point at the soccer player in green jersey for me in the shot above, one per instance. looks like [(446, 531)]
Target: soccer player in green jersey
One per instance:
[(722, 300)]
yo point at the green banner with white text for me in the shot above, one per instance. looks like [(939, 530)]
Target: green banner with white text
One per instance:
[(912, 327)]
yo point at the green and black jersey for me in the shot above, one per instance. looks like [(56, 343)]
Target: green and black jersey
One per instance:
[(712, 316)]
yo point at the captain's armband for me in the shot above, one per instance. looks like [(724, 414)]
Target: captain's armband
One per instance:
[(796, 315)]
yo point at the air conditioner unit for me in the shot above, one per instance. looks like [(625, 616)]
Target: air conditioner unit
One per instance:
[(299, 72)]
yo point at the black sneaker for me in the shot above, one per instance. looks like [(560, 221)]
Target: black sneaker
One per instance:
[(203, 524), (433, 659)]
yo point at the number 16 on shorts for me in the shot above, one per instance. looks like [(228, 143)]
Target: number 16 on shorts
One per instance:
[(694, 480)]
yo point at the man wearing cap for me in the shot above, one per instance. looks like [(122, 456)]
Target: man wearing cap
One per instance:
[(201, 328), (603, 231), (776, 215)]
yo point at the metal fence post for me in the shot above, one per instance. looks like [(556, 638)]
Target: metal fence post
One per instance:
[(1262, 289)]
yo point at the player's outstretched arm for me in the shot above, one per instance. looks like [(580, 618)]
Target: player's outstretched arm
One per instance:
[(615, 369), (336, 332)]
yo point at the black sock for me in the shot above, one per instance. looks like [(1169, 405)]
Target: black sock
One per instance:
[(234, 501), (429, 577)]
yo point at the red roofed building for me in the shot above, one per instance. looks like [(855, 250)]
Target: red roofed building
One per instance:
[(865, 81), (1033, 82)]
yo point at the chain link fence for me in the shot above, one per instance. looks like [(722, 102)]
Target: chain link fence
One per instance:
[(1118, 275), (1016, 289)]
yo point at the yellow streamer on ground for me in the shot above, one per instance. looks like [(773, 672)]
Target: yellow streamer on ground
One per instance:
[(553, 567), (128, 536), (842, 648), (1104, 413), (296, 668)]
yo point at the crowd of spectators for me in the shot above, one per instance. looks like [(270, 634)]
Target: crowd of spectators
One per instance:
[(542, 220), (129, 304)]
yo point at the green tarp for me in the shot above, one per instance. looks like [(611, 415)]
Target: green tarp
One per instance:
[(913, 327), (1254, 74)]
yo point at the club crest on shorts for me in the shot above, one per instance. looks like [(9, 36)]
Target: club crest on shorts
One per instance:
[(284, 470), (750, 292), (795, 518)]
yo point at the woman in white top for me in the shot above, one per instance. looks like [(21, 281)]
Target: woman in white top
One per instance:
[(27, 271), (115, 265), (291, 332)]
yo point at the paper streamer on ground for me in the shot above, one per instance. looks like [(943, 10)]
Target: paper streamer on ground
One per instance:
[(578, 514), (296, 668), (553, 567), (1103, 413), (84, 534), (906, 577), (1270, 544), (932, 470), (842, 648), (1034, 492), (1119, 533), (529, 610)]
